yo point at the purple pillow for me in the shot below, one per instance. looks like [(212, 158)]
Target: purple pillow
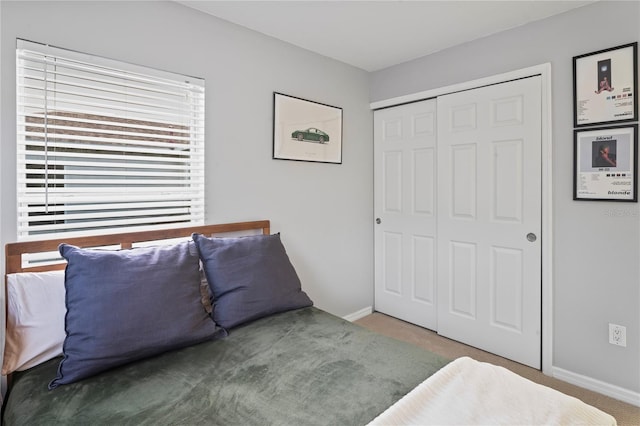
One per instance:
[(129, 304), (250, 278)]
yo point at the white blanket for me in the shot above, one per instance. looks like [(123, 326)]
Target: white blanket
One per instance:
[(468, 392)]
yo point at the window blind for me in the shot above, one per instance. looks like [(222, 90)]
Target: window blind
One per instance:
[(105, 146)]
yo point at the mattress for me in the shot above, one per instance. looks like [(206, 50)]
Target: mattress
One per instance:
[(298, 367)]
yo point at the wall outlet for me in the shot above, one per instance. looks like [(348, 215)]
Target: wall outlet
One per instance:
[(618, 335)]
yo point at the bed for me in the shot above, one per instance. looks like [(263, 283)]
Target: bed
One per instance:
[(201, 325)]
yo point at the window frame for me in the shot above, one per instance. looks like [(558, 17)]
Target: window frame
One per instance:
[(142, 130)]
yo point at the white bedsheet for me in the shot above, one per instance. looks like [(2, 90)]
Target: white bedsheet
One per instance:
[(469, 392)]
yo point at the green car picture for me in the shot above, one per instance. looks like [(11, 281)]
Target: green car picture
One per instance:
[(311, 134)]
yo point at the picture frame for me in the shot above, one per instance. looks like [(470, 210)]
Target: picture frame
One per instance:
[(605, 164), (305, 130), (605, 86)]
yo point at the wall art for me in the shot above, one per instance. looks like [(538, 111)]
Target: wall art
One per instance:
[(306, 130), (604, 86), (605, 166)]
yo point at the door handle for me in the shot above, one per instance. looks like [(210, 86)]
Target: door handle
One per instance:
[(378, 221), (531, 237)]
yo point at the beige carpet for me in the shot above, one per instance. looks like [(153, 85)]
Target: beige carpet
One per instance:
[(625, 414)]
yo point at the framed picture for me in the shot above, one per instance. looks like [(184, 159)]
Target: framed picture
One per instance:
[(305, 130), (604, 86), (604, 163)]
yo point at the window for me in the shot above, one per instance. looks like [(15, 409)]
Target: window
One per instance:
[(105, 146)]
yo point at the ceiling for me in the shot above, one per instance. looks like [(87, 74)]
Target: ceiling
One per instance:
[(372, 35)]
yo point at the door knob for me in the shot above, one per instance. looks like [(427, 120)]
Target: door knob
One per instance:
[(531, 237), (378, 221)]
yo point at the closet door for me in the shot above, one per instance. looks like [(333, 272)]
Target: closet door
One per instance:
[(489, 218), (405, 207)]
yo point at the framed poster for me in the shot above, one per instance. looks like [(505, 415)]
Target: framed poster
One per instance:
[(305, 130), (604, 86), (604, 162)]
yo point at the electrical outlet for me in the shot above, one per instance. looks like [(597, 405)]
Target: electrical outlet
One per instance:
[(618, 335)]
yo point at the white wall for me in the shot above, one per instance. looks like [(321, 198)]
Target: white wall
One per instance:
[(596, 245), (322, 210)]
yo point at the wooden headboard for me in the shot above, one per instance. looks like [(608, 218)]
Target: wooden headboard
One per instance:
[(15, 251)]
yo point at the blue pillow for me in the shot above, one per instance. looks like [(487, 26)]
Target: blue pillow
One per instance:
[(129, 304), (250, 277)]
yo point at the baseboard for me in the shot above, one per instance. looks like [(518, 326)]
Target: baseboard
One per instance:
[(359, 314), (626, 395)]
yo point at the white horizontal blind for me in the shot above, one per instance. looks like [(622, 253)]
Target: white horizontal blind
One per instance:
[(105, 146)]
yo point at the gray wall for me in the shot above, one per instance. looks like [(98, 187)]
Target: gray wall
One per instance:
[(322, 210), (596, 244)]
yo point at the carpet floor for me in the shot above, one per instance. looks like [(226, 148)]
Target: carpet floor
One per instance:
[(625, 414)]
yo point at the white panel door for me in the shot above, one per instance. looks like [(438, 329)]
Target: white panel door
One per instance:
[(405, 207), (489, 218)]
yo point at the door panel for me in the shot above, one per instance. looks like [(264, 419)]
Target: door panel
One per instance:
[(392, 181), (462, 279), (463, 183), (405, 203), (423, 280), (392, 261), (424, 184), (506, 288), (489, 199), (507, 181)]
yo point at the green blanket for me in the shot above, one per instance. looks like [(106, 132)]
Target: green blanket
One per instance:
[(303, 367)]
